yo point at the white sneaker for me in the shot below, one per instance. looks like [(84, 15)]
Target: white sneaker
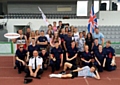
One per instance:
[(51, 75)]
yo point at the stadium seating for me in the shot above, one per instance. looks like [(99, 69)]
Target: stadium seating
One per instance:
[(38, 16)]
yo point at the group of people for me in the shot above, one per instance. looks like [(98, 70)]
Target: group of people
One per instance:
[(83, 54)]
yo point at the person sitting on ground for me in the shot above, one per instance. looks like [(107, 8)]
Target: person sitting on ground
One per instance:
[(35, 66), (77, 72)]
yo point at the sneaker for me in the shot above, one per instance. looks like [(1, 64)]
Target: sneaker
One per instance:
[(62, 72), (51, 75)]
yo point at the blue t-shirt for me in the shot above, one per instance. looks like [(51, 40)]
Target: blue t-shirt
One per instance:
[(99, 36), (86, 72)]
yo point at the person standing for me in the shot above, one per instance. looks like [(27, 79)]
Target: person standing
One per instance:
[(97, 34), (42, 41), (80, 45), (89, 41), (76, 33)]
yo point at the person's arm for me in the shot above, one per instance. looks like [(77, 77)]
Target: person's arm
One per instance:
[(17, 58), (27, 58), (51, 43), (78, 69), (98, 61), (52, 57), (64, 46), (30, 67), (74, 56), (26, 40), (67, 57), (84, 60), (97, 76), (59, 41), (102, 42), (104, 62), (61, 56), (38, 67), (102, 39)]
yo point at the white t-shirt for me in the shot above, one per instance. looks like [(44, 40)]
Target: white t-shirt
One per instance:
[(48, 38), (86, 72), (39, 61), (76, 36)]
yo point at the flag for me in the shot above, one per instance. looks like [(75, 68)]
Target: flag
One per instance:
[(44, 17), (92, 21)]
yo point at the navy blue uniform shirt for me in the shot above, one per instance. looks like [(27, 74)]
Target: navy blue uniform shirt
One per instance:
[(21, 54), (72, 51), (31, 48), (42, 39), (86, 56), (45, 56), (100, 56), (110, 52), (68, 41), (95, 48), (57, 52)]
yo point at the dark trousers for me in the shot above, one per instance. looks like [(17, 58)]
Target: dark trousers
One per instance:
[(108, 67), (100, 68), (27, 71), (45, 65), (20, 66), (55, 65)]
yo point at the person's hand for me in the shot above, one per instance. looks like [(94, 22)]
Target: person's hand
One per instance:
[(35, 74), (45, 65), (103, 65), (27, 60), (54, 59), (99, 64), (23, 63), (31, 74), (86, 61), (112, 64), (60, 64)]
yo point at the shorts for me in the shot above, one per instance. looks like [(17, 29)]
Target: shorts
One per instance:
[(74, 74)]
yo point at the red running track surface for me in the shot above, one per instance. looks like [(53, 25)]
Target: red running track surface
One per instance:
[(9, 76)]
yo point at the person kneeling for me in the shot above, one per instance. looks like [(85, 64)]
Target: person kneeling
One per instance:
[(76, 72), (35, 66)]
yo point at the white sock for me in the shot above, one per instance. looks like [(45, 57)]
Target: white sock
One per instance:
[(55, 75)]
